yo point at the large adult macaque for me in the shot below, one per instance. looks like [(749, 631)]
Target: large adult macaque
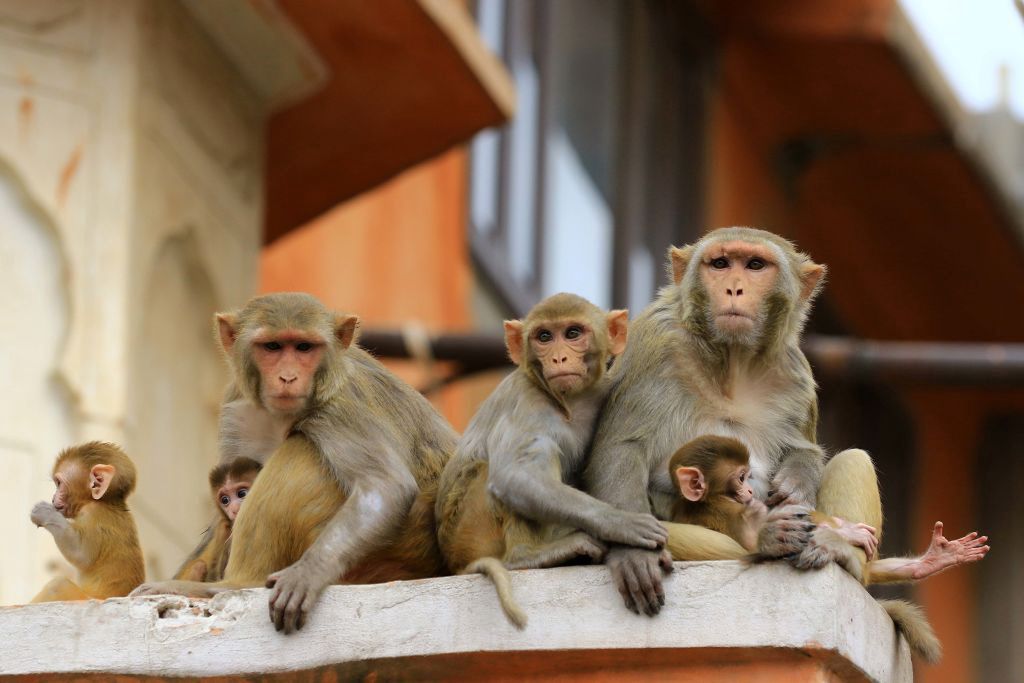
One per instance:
[(718, 353), (91, 524), (347, 492), (507, 497)]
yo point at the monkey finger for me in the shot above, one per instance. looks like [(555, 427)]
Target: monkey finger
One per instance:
[(659, 588), (665, 562)]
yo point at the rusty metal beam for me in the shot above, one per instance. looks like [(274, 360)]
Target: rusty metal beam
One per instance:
[(836, 358)]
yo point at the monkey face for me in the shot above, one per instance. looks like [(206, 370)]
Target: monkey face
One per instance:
[(287, 361), (64, 479), (742, 491), (738, 277), (230, 496), (561, 348)]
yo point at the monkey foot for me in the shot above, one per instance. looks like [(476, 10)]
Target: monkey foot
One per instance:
[(190, 589)]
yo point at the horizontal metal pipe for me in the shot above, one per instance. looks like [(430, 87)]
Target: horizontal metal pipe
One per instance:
[(832, 357)]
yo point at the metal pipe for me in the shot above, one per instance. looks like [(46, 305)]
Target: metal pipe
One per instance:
[(839, 358)]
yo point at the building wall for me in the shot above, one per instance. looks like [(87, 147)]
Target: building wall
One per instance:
[(130, 200), (397, 256)]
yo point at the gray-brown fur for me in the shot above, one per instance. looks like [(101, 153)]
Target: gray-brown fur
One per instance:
[(679, 380), (530, 442), (382, 441)]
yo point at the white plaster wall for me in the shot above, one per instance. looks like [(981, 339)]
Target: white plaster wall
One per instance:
[(130, 210)]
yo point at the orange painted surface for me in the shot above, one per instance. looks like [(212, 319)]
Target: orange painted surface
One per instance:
[(394, 256)]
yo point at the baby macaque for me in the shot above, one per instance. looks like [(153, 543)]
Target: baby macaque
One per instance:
[(91, 524), (710, 474), (230, 483)]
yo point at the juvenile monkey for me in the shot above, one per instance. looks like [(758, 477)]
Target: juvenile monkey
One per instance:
[(230, 483), (351, 457), (507, 499), (711, 474), (91, 523)]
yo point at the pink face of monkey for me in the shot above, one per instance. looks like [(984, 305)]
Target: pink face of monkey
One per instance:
[(738, 277), (287, 362), (231, 494)]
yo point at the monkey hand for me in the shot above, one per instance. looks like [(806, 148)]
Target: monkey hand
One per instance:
[(294, 591), (827, 545), (638, 529), (637, 575), (860, 535), (788, 491), (43, 513), (785, 534)]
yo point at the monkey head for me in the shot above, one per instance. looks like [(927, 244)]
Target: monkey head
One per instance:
[(745, 287), (90, 472), (712, 466), (565, 342), (230, 483), (284, 350)]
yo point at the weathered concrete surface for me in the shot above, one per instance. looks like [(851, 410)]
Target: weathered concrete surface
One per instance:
[(756, 612)]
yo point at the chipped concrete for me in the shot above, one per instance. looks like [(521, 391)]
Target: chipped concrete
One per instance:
[(723, 605)]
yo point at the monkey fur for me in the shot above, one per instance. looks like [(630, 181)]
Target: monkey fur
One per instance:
[(507, 498), (358, 446), (91, 523)]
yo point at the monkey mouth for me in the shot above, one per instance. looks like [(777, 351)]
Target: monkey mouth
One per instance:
[(563, 375)]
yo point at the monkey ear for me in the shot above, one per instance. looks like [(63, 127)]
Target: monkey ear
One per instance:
[(618, 324), (680, 259), (691, 483), (812, 276), (226, 323), (100, 477), (514, 340), (345, 329)]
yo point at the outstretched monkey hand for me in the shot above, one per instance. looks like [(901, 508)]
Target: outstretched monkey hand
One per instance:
[(295, 590), (637, 575)]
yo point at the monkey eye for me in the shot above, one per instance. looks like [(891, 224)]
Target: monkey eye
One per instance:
[(272, 346), (544, 336), (242, 493), (224, 500), (304, 347), (756, 263), (720, 263), (574, 332)]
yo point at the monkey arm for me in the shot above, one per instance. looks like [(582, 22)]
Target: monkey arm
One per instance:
[(374, 509), (530, 483), (799, 475), (66, 534)]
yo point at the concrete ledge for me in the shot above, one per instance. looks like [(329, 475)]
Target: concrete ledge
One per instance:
[(716, 614)]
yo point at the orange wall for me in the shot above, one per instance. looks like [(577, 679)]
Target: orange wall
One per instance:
[(394, 256)]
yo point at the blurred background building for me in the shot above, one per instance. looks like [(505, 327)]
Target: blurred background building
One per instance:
[(160, 161)]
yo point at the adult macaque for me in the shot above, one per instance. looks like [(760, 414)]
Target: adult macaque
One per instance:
[(348, 495), (230, 483), (91, 524), (507, 498), (718, 353)]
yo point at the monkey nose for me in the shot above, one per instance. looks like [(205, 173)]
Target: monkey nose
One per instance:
[(734, 291), (288, 380)]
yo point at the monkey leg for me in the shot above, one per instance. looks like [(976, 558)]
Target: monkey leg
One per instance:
[(554, 553), (692, 542), (849, 490), (60, 589), (286, 510)]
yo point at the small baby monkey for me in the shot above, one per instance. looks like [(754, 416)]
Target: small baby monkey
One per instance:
[(91, 524), (711, 474), (230, 483)]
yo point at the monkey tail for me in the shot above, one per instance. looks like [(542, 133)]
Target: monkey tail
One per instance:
[(910, 620), (493, 569)]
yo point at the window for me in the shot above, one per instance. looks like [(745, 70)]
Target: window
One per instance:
[(600, 171)]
